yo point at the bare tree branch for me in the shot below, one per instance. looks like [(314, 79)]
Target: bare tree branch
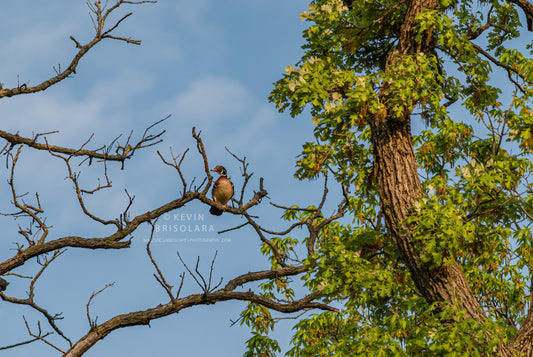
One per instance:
[(144, 317), (40, 336), (94, 322), (31, 294), (244, 173), (277, 255), (74, 179), (177, 165), (24, 342), (103, 153), (115, 240), (201, 149), (160, 277), (24, 255), (82, 49)]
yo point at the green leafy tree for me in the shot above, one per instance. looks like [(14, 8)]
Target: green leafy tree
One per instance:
[(436, 257), (437, 260)]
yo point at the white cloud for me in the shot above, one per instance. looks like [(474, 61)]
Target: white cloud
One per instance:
[(110, 107), (119, 90), (254, 136), (210, 99), (229, 115), (34, 114)]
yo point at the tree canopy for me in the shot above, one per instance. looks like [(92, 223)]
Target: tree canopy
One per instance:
[(437, 260)]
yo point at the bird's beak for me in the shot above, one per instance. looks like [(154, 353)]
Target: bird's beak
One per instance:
[(214, 170)]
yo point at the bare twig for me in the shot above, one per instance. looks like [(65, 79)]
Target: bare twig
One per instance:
[(294, 208), (275, 252), (74, 179), (25, 209), (24, 342), (201, 150), (177, 165), (29, 301), (244, 174), (40, 336), (93, 323), (159, 276), (204, 285), (234, 228)]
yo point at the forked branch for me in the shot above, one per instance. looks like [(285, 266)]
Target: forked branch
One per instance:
[(145, 316), (99, 16), (122, 152)]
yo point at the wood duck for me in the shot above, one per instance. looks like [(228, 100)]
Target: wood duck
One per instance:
[(222, 190)]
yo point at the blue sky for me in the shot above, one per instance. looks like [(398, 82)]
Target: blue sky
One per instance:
[(209, 64)]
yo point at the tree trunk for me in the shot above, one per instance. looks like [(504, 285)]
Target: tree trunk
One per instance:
[(522, 344), (400, 188)]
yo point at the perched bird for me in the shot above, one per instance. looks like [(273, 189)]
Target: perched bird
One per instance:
[(3, 284), (222, 190)]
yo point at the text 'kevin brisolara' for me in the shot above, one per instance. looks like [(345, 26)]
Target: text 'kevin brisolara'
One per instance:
[(184, 228)]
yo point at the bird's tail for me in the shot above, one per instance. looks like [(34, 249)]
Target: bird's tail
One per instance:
[(215, 211)]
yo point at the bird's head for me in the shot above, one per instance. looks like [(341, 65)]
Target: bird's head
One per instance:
[(221, 170)]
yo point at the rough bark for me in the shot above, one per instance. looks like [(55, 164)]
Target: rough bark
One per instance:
[(522, 343), (400, 188)]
